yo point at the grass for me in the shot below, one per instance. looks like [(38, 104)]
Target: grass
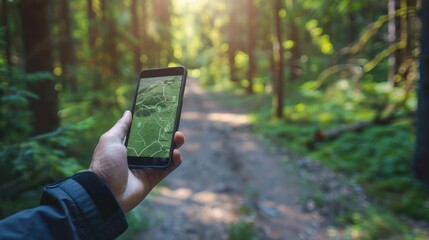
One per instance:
[(242, 230)]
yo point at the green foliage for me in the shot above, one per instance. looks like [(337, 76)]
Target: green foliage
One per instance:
[(319, 38), (138, 221), (377, 223), (242, 230), (28, 162), (380, 159)]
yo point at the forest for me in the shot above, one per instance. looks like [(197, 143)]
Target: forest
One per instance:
[(341, 82)]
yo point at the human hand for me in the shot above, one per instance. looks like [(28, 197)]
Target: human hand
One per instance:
[(109, 162)]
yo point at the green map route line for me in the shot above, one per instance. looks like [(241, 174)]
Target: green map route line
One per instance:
[(154, 115)]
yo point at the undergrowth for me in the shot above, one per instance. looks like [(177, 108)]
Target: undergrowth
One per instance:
[(378, 157)]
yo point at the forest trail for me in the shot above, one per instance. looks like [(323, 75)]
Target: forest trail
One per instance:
[(228, 175)]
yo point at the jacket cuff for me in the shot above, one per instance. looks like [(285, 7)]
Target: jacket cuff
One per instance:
[(89, 204), (98, 191), (114, 222)]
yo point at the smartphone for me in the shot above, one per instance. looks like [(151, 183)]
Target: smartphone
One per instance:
[(156, 115)]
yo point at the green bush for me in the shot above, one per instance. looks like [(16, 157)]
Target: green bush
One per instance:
[(377, 157), (380, 159), (28, 162)]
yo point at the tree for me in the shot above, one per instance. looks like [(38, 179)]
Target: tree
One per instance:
[(149, 45), (5, 25), (251, 44), (352, 22), (401, 33), (394, 36), (66, 46), (135, 29), (92, 30), (110, 35), (278, 61), (295, 49), (421, 157), (162, 14), (38, 57), (232, 41)]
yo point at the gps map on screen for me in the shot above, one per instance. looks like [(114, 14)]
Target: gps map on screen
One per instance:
[(154, 117)]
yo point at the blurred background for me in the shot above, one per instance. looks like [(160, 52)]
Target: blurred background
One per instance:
[(332, 80)]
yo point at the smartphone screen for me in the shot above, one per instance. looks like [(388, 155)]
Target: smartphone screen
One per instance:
[(156, 115)]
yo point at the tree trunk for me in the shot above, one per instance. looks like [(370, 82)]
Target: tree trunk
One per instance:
[(412, 29), (295, 50), (163, 51), (421, 157), (5, 24), (251, 44), (232, 42), (394, 36), (136, 33), (278, 61), (109, 42), (352, 26), (333, 133), (67, 58), (92, 30), (38, 57), (146, 47)]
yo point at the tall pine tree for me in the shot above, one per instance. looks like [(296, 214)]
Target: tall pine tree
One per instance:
[(421, 158), (38, 57)]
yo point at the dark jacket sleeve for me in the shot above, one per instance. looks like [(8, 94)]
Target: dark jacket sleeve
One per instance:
[(79, 207)]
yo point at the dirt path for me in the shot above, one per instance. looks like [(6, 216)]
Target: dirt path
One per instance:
[(228, 175)]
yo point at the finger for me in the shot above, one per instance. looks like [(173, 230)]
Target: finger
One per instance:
[(119, 130), (177, 158), (179, 139), (151, 177), (177, 161)]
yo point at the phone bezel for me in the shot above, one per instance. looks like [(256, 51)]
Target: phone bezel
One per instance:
[(158, 162)]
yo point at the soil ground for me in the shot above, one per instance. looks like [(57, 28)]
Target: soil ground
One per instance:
[(229, 175)]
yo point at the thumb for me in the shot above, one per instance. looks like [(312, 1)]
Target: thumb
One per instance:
[(120, 129)]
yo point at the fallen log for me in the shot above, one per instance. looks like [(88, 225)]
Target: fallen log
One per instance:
[(331, 134)]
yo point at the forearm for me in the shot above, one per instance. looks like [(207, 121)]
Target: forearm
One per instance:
[(80, 207)]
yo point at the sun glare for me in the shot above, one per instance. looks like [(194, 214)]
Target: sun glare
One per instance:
[(187, 1)]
